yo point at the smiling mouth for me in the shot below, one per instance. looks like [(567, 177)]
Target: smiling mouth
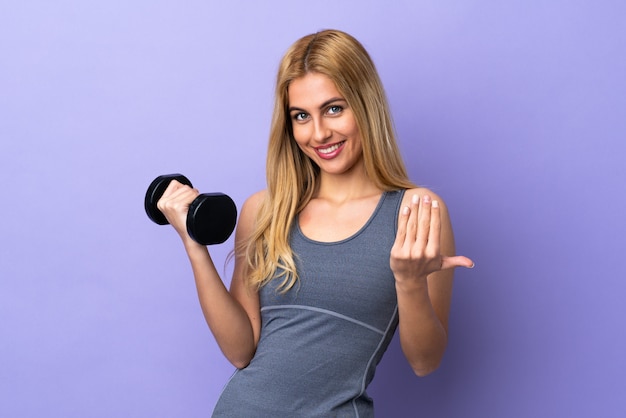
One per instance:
[(330, 149)]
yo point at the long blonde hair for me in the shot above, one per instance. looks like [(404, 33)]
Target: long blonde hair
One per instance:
[(291, 176)]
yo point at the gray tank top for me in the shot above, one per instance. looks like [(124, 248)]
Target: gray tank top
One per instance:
[(321, 341)]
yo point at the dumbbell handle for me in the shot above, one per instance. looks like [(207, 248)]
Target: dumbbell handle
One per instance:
[(154, 193), (211, 217)]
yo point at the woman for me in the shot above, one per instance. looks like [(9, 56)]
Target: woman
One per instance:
[(338, 252)]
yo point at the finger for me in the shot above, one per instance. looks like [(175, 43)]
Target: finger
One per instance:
[(184, 193), (176, 195), (456, 261), (434, 232), (402, 226), (171, 188), (423, 221), (412, 222)]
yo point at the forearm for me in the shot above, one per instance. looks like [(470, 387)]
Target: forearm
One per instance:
[(423, 337), (224, 315)]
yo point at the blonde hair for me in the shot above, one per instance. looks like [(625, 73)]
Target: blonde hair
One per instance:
[(291, 176)]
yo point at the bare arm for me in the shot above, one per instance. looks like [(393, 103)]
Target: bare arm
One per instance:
[(234, 318), (422, 260)]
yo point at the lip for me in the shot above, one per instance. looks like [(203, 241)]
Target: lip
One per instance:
[(335, 148)]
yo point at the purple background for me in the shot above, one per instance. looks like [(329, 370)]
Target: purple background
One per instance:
[(514, 111)]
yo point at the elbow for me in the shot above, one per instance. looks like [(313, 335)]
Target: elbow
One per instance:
[(427, 364), (240, 364), (424, 370), (241, 360), (424, 360), (239, 353)]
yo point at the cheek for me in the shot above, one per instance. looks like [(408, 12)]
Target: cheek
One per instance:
[(299, 134), (348, 127)]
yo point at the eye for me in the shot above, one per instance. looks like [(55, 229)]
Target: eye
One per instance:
[(299, 117), (334, 109)]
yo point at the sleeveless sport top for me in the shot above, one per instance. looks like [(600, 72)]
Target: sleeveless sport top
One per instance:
[(321, 341)]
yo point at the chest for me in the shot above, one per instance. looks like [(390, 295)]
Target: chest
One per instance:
[(325, 222), (351, 278)]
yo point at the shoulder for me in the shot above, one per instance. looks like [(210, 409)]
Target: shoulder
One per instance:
[(256, 199), (421, 192), (252, 205)]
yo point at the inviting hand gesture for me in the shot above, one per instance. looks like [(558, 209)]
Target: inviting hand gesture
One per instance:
[(416, 252)]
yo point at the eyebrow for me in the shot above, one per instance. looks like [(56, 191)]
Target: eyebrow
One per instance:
[(322, 106)]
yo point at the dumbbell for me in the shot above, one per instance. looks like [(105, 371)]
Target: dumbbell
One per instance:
[(211, 217)]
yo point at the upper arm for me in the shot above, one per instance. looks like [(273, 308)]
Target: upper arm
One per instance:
[(247, 298)]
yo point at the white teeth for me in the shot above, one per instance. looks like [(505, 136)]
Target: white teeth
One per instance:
[(329, 149)]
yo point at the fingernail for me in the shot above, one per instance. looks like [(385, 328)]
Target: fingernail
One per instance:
[(415, 199), (405, 210), (435, 204), (426, 199)]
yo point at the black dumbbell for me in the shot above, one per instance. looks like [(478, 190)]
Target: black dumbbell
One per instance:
[(211, 218)]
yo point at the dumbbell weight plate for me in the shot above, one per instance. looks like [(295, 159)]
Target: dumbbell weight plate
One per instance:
[(218, 215), (154, 193)]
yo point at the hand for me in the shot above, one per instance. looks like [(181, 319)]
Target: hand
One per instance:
[(174, 204), (416, 252)]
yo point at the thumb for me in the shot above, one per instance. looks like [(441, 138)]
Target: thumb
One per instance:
[(456, 261)]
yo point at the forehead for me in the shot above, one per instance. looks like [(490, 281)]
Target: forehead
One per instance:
[(311, 90)]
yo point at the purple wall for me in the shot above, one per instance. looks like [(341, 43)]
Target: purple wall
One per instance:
[(515, 112)]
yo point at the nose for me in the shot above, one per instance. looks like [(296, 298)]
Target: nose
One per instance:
[(321, 131)]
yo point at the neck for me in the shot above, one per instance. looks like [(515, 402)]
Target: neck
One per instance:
[(345, 187)]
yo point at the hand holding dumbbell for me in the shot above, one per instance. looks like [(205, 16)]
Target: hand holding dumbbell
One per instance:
[(211, 217)]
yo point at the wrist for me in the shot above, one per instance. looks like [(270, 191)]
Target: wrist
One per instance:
[(413, 284), (192, 247)]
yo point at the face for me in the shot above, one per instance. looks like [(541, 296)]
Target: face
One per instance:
[(323, 124)]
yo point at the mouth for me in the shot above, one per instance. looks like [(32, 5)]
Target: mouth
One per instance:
[(329, 149)]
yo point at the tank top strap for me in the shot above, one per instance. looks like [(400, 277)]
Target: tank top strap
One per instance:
[(387, 210)]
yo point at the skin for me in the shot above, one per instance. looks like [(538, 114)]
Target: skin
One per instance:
[(422, 258)]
